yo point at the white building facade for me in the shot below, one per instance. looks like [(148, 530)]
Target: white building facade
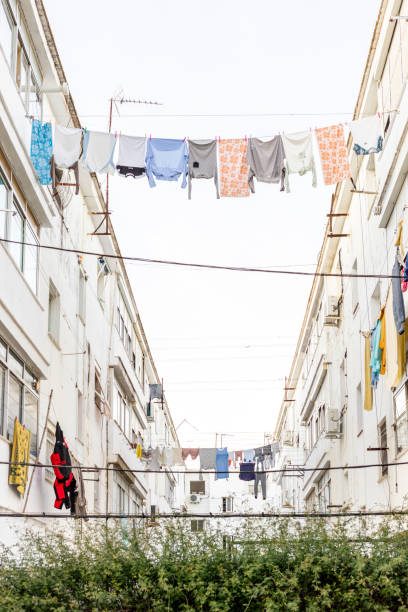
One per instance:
[(69, 324), (322, 422)]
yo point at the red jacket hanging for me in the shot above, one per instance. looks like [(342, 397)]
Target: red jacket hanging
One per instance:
[(65, 484)]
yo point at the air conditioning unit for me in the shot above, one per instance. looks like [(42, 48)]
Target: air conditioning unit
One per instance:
[(287, 438), (332, 423), (332, 310), (195, 498)]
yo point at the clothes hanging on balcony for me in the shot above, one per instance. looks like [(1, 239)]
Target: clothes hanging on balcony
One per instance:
[(221, 462), (132, 155), (367, 135), (299, 156), (368, 391), (41, 150), (260, 476), (376, 354), (67, 146), (208, 458), (397, 297), (396, 356), (399, 241), (139, 451), (20, 453), (249, 455), (333, 154), (202, 162), (247, 471), (238, 455), (154, 459), (266, 161), (166, 160), (98, 152), (233, 168), (193, 452), (65, 486), (177, 456)]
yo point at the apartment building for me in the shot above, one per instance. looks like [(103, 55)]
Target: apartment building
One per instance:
[(322, 421), (72, 345)]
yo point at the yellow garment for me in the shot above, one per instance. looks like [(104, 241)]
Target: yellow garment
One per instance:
[(138, 451), (20, 453), (396, 356), (382, 340), (368, 391), (400, 238)]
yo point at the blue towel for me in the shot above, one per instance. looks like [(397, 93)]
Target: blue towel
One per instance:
[(167, 160), (41, 150), (249, 455), (221, 462)]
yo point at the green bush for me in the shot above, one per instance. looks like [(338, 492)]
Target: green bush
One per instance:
[(281, 566)]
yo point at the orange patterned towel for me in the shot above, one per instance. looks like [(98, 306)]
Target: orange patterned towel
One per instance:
[(233, 168), (333, 154)]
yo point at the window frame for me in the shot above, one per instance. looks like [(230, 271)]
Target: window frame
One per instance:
[(193, 485), (402, 418), (25, 387), (13, 204)]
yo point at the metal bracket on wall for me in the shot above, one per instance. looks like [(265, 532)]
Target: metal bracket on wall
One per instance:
[(331, 214)]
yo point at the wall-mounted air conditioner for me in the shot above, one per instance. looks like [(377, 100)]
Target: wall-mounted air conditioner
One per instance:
[(287, 437), (194, 498), (332, 310), (332, 423)]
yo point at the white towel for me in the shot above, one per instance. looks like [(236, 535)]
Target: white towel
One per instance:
[(132, 151), (98, 152), (299, 155), (67, 146), (367, 135)]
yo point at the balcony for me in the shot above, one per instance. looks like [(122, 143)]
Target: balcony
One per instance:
[(123, 455)]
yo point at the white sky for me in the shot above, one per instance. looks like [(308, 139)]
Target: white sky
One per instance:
[(223, 341)]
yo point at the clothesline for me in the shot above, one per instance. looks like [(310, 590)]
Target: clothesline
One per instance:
[(232, 163)]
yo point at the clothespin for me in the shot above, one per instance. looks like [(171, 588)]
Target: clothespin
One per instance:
[(246, 139), (219, 138), (379, 115), (150, 138), (116, 134)]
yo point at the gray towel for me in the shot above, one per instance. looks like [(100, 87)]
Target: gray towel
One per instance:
[(202, 162), (397, 298), (266, 161), (207, 458)]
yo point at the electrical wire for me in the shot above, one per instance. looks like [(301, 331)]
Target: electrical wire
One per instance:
[(210, 515), (291, 470), (198, 265)]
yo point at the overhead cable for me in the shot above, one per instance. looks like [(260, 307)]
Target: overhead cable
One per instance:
[(199, 265)]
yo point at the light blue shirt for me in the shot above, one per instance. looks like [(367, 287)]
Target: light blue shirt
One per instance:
[(166, 160)]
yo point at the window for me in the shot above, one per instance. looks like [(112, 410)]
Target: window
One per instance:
[(122, 499), (324, 492), (227, 504), (80, 417), (82, 296), (99, 397), (6, 33), (18, 396), (124, 326), (197, 486), (50, 441), (15, 226), (401, 418), (121, 410), (53, 312), (197, 525), (382, 436), (310, 501)]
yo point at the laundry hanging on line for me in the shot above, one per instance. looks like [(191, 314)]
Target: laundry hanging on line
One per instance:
[(233, 163)]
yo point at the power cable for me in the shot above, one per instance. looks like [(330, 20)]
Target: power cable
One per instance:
[(200, 266), (210, 515), (291, 470)]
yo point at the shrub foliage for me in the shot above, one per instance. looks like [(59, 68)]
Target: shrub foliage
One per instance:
[(281, 566)]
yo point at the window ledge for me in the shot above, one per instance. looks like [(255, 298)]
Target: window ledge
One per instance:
[(54, 340)]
